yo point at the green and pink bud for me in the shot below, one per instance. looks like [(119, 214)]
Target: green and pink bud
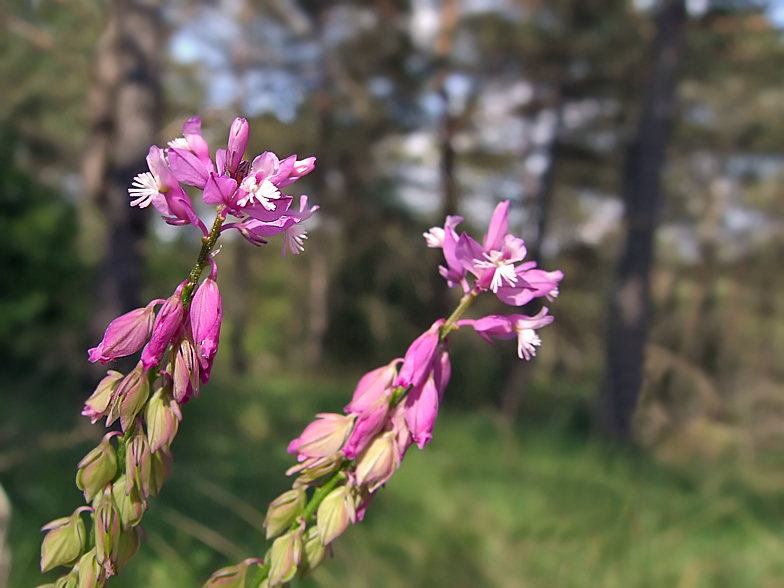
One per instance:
[(323, 437), (185, 380), (129, 504), (65, 540), (98, 404), (131, 396), (108, 527), (335, 513), (283, 511), (378, 462), (313, 551), (97, 468), (232, 576), (138, 464), (163, 416), (91, 574), (285, 556)]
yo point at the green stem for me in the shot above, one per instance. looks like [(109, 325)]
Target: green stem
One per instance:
[(449, 324), (207, 245)]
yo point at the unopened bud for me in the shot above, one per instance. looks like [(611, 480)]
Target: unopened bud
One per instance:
[(232, 576), (107, 533), (90, 571), (127, 546), (322, 437), (283, 511), (313, 552), (97, 406), (285, 557), (129, 504), (69, 581), (126, 334), (185, 380), (138, 465), (97, 468), (133, 392), (334, 514), (64, 542), (378, 462), (163, 417), (160, 467)]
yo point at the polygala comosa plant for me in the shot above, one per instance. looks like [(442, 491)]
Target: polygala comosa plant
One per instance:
[(342, 460)]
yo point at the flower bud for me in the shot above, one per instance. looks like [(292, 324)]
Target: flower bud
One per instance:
[(64, 542), (97, 468), (167, 324), (419, 357), (160, 467), (107, 533), (125, 335), (367, 426), (97, 406), (378, 462), (206, 314), (314, 468), (231, 576), (163, 419), (313, 552), (127, 546), (334, 514), (129, 504), (285, 557), (371, 387), (283, 511), (133, 392), (238, 141), (421, 411), (69, 581), (138, 467), (90, 571), (185, 380), (323, 437)]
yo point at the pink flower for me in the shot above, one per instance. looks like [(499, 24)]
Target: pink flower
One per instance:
[(206, 314), (508, 327), (167, 325), (446, 239), (161, 188), (125, 335), (536, 282)]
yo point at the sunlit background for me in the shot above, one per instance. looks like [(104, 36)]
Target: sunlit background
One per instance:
[(416, 109)]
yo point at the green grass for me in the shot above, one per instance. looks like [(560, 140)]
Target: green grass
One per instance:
[(482, 505)]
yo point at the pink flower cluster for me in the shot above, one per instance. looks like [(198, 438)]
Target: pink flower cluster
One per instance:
[(396, 405), (178, 344), (497, 266), (249, 191)]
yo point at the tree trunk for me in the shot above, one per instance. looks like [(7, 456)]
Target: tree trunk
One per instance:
[(125, 101), (629, 295)]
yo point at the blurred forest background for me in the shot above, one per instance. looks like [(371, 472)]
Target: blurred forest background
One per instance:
[(642, 147)]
